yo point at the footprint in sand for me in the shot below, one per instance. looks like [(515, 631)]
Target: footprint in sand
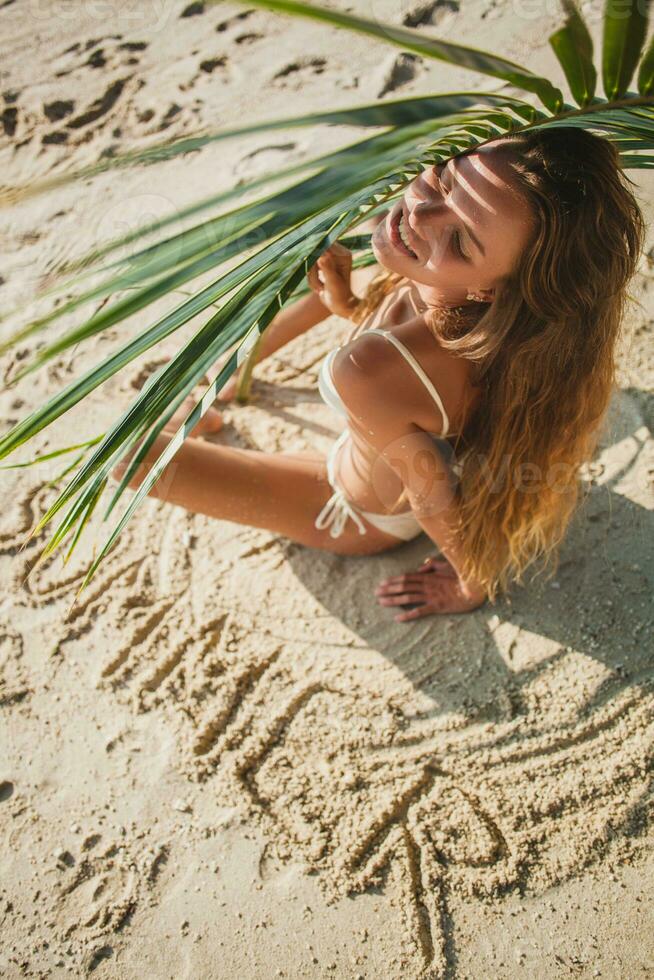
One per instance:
[(416, 14), (133, 46), (209, 65), (169, 117), (100, 106), (9, 114), (97, 890), (401, 70), (429, 14), (97, 59), (193, 10), (262, 160), (58, 110), (14, 686), (106, 54), (9, 120), (296, 73), (225, 25), (248, 38)]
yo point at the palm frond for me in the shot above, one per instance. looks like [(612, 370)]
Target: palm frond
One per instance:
[(393, 112), (52, 455), (161, 268), (625, 28), (646, 71), (573, 46)]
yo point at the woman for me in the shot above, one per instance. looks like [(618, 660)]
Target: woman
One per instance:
[(489, 334)]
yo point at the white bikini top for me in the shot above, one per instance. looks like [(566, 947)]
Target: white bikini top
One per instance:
[(332, 398)]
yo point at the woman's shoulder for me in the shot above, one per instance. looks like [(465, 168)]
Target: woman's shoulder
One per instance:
[(439, 378), (400, 358), (417, 374)]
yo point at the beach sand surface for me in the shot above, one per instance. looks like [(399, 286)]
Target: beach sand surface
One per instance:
[(226, 760)]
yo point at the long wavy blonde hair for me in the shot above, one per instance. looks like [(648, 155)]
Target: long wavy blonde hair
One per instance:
[(544, 353)]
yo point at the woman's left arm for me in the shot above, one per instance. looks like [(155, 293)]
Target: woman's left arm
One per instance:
[(429, 484)]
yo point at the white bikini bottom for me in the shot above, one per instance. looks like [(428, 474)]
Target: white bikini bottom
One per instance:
[(338, 508)]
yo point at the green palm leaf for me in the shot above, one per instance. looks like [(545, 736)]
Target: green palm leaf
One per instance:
[(53, 455), (646, 71), (159, 269), (291, 226), (625, 27), (395, 112), (173, 381), (573, 46), (269, 297)]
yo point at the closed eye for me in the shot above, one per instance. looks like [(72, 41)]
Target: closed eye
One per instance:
[(460, 251), (455, 248)]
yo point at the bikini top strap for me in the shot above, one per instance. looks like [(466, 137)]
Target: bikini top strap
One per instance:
[(408, 356)]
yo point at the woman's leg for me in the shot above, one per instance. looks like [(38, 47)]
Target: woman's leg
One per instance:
[(211, 421), (280, 492)]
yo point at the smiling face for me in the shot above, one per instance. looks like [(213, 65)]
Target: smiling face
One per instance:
[(465, 223)]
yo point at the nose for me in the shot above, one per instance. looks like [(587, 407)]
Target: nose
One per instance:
[(429, 220), (432, 201), (425, 209), (425, 217)]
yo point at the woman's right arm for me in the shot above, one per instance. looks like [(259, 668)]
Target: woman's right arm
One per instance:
[(292, 321), (298, 317), (289, 323), (284, 327)]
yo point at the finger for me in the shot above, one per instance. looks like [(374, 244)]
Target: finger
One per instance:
[(394, 590), (327, 267), (344, 265), (334, 283), (432, 563), (341, 254), (312, 278), (331, 256), (427, 610), (401, 600), (398, 579), (390, 590), (411, 578), (444, 570), (318, 266), (397, 584), (435, 563)]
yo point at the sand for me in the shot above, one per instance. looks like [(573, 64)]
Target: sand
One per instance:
[(221, 763)]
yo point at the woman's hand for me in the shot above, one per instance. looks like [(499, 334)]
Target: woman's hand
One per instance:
[(435, 586), (330, 279)]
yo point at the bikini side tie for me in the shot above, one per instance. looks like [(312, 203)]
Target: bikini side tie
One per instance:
[(336, 512)]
